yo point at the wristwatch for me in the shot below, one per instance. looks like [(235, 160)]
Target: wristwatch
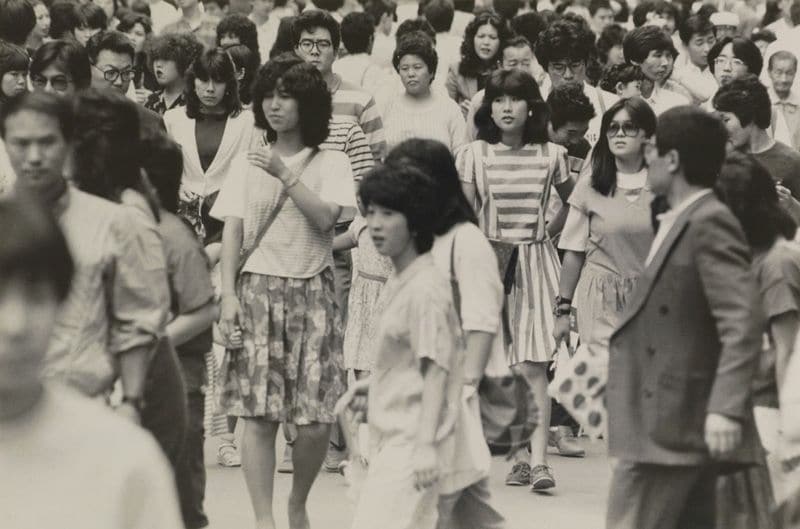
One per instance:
[(136, 402), (562, 310)]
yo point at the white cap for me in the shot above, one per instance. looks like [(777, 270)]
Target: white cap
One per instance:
[(725, 19)]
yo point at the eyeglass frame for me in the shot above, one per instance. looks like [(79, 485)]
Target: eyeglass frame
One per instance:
[(55, 82), (116, 74), (620, 127), (561, 67), (311, 44), (732, 61)]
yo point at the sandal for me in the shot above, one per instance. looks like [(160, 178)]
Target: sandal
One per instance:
[(228, 455)]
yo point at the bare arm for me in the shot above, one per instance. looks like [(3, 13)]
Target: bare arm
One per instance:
[(187, 326), (479, 346), (784, 330), (230, 309)]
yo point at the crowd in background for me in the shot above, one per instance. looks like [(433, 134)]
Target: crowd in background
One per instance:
[(341, 220)]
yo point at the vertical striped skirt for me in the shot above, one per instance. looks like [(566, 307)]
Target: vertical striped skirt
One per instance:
[(530, 303)]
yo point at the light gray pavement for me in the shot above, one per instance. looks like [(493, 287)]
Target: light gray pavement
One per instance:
[(578, 502)]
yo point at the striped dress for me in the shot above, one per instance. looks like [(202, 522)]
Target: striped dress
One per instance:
[(512, 190)]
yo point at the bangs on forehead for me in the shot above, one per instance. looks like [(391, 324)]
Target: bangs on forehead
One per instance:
[(12, 59), (510, 85), (216, 67)]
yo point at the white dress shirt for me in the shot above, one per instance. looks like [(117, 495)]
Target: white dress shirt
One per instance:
[(667, 220)]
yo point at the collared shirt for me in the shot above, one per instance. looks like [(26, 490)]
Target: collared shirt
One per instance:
[(701, 84), (119, 298), (662, 99), (790, 110), (667, 220), (158, 104)]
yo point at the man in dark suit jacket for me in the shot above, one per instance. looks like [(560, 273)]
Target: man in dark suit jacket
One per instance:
[(111, 55), (684, 355)]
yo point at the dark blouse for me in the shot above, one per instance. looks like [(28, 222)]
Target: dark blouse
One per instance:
[(208, 134)]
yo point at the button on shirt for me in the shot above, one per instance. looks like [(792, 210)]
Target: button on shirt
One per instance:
[(667, 220)]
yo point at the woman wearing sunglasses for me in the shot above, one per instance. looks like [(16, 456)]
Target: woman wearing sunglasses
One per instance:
[(608, 231)]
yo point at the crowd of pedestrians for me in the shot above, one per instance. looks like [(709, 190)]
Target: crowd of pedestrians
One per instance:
[(404, 237)]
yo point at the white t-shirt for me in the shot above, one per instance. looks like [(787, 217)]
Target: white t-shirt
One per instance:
[(292, 246), (162, 14), (74, 464)]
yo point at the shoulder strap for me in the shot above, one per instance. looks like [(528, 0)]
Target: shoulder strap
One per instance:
[(272, 215), (453, 279)]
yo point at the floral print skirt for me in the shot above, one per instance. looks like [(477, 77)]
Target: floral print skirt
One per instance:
[(291, 367)]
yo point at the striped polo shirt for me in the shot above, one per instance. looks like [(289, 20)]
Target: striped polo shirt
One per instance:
[(352, 103)]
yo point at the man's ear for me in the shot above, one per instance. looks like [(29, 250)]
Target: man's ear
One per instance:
[(619, 87), (240, 74)]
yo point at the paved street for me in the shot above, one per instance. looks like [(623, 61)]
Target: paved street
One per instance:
[(577, 503)]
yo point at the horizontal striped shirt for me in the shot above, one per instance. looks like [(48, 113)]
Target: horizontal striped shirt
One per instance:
[(347, 137), (350, 102)]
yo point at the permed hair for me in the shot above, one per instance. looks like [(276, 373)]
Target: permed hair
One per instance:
[(414, 25), (241, 27), (518, 84), (312, 19), (471, 65), (748, 189), (612, 35), (218, 66), (128, 20), (620, 73), (569, 103), (407, 190), (420, 45), (604, 164), (290, 75), (747, 99), (181, 48), (66, 56), (564, 40)]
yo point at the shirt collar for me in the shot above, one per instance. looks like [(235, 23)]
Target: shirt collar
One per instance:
[(674, 212), (793, 99)]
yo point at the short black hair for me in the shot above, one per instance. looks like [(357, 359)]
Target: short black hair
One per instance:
[(747, 99), (440, 14), (213, 64), (418, 44), (67, 56), (604, 164), (641, 41), (180, 48), (408, 190), (141, 7), (129, 19), (164, 168), (568, 103), (316, 18), (242, 28), (289, 74), (698, 137), (612, 35), (520, 84), (284, 41), (620, 73), (63, 19), (42, 103), (91, 16), (664, 8), (529, 25), (378, 8), (782, 55), (597, 5), (517, 41), (35, 250), (17, 20), (434, 159), (747, 188), (564, 40), (763, 35), (113, 41), (358, 30), (329, 5), (640, 12), (244, 58), (13, 58), (471, 65), (414, 25), (507, 9), (743, 49), (695, 25)]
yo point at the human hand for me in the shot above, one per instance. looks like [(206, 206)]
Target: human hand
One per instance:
[(426, 466), (142, 94), (722, 434), (466, 106), (185, 195), (355, 398), (561, 328), (784, 195), (229, 318), (268, 160)]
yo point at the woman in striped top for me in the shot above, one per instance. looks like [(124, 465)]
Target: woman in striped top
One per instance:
[(508, 173)]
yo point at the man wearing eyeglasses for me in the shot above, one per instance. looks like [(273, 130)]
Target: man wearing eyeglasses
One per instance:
[(111, 55), (563, 51)]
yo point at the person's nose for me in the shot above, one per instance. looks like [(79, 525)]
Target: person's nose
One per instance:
[(568, 74), (33, 155)]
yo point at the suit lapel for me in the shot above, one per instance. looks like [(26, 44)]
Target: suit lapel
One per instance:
[(651, 273)]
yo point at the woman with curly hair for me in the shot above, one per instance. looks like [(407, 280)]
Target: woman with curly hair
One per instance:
[(480, 54), (419, 112), (169, 57), (278, 311), (237, 29), (212, 130), (508, 173)]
